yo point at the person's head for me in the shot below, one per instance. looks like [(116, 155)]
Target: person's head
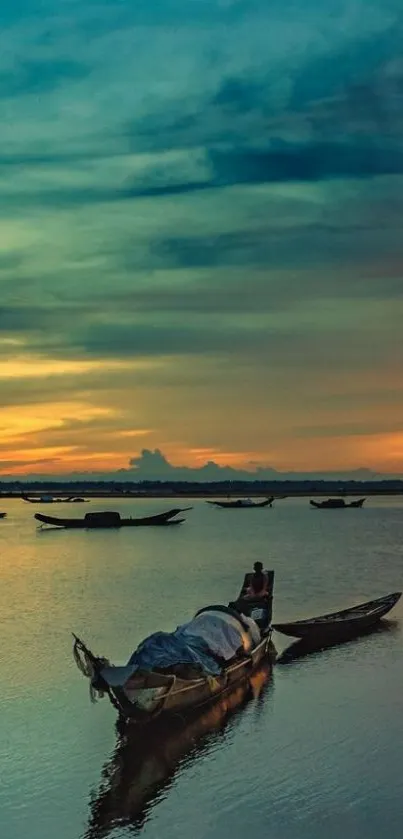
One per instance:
[(258, 567)]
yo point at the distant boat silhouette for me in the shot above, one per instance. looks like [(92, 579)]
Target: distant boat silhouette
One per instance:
[(242, 503), (41, 499), (50, 499), (336, 504), (111, 519)]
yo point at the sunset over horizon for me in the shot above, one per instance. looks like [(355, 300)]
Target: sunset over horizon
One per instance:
[(201, 250)]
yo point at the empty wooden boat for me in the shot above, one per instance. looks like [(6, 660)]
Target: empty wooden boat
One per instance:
[(338, 624)]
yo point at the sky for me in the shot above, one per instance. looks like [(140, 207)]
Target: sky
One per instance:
[(201, 251)]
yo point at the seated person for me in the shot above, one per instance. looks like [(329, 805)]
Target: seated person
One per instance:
[(257, 590), (258, 584)]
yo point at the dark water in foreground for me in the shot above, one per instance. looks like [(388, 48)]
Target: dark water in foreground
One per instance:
[(315, 749)]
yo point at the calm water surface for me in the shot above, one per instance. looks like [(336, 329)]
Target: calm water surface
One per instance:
[(315, 752)]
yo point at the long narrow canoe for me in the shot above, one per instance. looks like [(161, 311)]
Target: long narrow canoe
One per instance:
[(113, 520), (338, 624)]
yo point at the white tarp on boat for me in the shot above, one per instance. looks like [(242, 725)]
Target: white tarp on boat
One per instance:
[(222, 632)]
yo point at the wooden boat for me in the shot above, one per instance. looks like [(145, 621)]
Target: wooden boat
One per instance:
[(144, 695), (145, 760), (339, 624), (3, 515), (336, 504), (241, 503), (92, 521)]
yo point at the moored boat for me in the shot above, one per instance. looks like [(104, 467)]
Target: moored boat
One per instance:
[(242, 503), (96, 520), (180, 671), (337, 504), (340, 624), (3, 515)]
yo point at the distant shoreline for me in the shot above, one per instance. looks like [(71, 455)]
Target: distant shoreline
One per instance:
[(251, 492)]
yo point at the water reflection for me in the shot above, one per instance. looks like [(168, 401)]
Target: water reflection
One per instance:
[(146, 761), (300, 649)]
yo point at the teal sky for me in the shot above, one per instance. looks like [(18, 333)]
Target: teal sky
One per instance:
[(201, 234)]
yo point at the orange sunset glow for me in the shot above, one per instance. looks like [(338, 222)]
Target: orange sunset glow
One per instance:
[(95, 415)]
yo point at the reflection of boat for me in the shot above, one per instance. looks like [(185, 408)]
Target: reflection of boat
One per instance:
[(340, 624), (336, 504), (305, 647), (145, 760), (176, 672), (98, 520), (240, 503)]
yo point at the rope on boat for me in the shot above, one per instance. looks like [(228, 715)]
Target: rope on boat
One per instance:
[(213, 683), (87, 664)]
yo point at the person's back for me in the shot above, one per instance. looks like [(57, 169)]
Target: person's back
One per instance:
[(258, 585)]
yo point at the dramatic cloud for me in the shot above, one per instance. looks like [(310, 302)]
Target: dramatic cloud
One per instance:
[(153, 466), (200, 215)]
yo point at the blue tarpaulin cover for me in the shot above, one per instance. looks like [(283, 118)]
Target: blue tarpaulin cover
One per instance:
[(164, 649)]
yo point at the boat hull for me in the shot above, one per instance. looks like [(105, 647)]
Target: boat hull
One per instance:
[(79, 523), (341, 624), (145, 704)]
